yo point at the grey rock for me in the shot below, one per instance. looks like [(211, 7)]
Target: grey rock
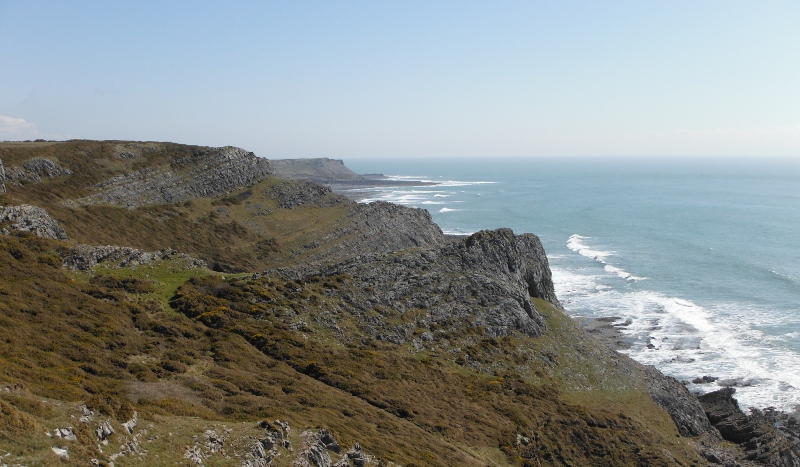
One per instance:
[(723, 412), (214, 441), (208, 172), (678, 402), (704, 380), (87, 257), (315, 451), (485, 281), (357, 457), (2, 177), (769, 437), (326, 438), (104, 430), (194, 454), (86, 415), (27, 218), (259, 451), (131, 424), (377, 228), (35, 170), (61, 452), (65, 433), (293, 194)]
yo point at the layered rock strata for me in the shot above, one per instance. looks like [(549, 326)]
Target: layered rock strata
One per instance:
[(87, 257), (207, 172), (2, 177), (485, 281), (34, 170), (768, 437), (377, 228)]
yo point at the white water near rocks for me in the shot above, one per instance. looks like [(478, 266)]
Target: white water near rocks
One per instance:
[(698, 258)]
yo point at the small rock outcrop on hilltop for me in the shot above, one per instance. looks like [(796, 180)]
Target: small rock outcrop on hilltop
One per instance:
[(26, 218), (208, 172), (35, 170)]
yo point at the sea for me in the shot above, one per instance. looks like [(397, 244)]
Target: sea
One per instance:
[(697, 259)]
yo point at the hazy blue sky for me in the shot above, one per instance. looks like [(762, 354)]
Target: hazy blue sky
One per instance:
[(408, 78)]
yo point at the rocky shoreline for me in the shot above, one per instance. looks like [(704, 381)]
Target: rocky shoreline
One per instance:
[(768, 436)]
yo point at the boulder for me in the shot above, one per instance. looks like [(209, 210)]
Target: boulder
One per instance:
[(61, 452), (104, 430)]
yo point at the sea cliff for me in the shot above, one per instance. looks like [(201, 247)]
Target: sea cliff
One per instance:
[(167, 296)]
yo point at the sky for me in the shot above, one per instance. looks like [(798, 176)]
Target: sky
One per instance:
[(408, 78)]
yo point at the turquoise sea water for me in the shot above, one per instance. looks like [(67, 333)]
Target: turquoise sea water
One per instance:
[(699, 258)]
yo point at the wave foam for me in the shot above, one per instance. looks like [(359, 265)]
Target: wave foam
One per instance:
[(575, 244), (687, 341), (622, 273)]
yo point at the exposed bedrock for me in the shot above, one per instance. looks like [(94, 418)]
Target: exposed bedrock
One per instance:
[(27, 218), (768, 437), (381, 227), (208, 172), (485, 281), (294, 194), (33, 170), (2, 177), (86, 257), (677, 401)]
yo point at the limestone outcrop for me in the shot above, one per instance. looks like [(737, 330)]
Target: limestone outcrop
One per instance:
[(768, 437), (34, 170), (2, 177), (294, 194), (86, 257), (485, 281), (27, 218), (318, 169), (677, 401), (208, 172), (378, 228)]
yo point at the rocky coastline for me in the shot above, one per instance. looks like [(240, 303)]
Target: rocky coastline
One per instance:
[(370, 302)]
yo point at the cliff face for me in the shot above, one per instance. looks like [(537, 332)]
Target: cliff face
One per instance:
[(206, 173), (375, 228), (484, 281), (318, 169)]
